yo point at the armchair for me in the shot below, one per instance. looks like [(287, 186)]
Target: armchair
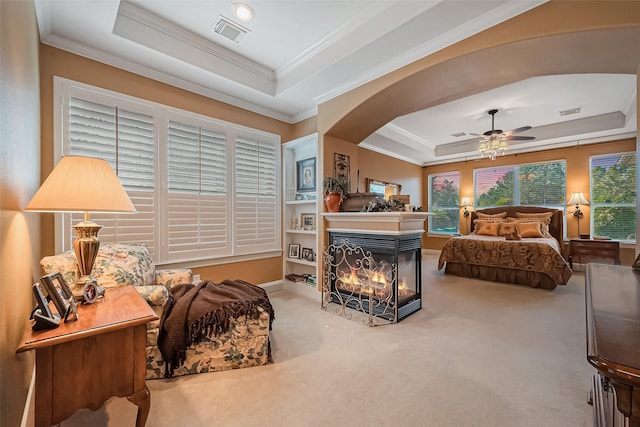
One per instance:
[(245, 344)]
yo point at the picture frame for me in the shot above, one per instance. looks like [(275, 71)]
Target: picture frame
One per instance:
[(342, 168), (294, 250), (307, 254), (306, 175), (308, 221), (59, 292)]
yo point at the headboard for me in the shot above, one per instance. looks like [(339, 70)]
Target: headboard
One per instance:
[(556, 226)]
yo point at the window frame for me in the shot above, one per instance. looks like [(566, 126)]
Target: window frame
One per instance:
[(593, 206), (64, 89), (430, 178)]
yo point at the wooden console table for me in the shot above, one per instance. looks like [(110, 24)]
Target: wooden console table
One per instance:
[(612, 295), (82, 364), (594, 250)]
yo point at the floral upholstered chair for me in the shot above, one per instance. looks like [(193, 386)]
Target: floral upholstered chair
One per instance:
[(245, 344)]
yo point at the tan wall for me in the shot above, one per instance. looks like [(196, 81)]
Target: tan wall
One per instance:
[(55, 62), (384, 168), (19, 180), (577, 159)]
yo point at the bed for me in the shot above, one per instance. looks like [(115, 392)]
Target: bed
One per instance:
[(533, 261)]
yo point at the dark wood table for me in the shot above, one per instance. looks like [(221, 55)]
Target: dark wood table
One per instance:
[(598, 250), (81, 364), (613, 342)]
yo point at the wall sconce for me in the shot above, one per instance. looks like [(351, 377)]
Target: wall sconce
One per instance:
[(577, 199), (465, 203)]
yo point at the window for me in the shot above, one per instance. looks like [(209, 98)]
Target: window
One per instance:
[(613, 196), (203, 188), (444, 201), (539, 184)]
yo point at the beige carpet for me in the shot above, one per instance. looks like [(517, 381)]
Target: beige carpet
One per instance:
[(477, 354)]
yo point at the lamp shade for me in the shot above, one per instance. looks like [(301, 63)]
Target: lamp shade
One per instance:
[(577, 199), (81, 184), (466, 201)]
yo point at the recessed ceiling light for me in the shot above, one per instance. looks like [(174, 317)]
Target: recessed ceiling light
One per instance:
[(243, 11)]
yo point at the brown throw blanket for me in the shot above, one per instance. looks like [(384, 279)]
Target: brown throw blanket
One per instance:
[(204, 311)]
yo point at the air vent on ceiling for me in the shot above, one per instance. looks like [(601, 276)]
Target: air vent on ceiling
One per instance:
[(229, 29), (458, 134), (570, 111)]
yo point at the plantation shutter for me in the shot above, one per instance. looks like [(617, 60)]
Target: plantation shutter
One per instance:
[(126, 140), (256, 199), (197, 221)]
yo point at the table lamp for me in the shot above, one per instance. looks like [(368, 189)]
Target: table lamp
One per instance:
[(577, 199), (82, 184)]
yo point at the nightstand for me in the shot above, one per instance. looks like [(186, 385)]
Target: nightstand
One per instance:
[(83, 363), (588, 249)]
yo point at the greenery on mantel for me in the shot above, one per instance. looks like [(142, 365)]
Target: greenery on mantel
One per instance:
[(332, 184)]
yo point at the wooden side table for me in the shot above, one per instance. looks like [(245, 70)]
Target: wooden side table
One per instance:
[(594, 249), (82, 364)]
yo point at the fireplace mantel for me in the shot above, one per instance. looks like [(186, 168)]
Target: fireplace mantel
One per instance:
[(394, 223)]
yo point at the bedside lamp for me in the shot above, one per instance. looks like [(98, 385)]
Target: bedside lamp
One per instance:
[(466, 202), (577, 199), (82, 184)]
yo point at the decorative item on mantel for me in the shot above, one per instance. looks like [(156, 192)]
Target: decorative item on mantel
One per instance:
[(335, 191)]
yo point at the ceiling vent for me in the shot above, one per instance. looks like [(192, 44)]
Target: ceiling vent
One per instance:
[(458, 134), (229, 29), (570, 111)]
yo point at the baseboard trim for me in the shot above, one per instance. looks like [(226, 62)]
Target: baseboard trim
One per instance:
[(271, 287), (28, 413)]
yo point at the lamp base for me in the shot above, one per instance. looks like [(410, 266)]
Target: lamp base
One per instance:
[(86, 246)]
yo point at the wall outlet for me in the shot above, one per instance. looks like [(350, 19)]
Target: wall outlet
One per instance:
[(196, 279)]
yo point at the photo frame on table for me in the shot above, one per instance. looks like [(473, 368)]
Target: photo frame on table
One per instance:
[(308, 221), (636, 264), (307, 254), (59, 292), (306, 175), (294, 251)]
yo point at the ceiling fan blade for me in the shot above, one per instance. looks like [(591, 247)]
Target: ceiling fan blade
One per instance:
[(520, 138), (517, 130)]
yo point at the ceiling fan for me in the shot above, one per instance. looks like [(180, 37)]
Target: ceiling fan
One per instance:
[(494, 141)]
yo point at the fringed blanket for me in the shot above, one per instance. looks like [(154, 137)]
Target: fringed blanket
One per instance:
[(194, 313)]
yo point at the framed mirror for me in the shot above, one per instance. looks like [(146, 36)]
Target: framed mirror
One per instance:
[(382, 187)]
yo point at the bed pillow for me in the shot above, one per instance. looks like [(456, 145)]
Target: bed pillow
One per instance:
[(544, 215), (505, 228), (501, 215), (544, 224), (488, 228), (529, 229)]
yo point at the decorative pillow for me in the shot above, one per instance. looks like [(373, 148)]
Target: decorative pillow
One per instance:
[(544, 224), (529, 229), (488, 228), (506, 228), (481, 215), (544, 215), (119, 265)]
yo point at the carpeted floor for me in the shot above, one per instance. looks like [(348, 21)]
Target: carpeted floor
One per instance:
[(478, 354)]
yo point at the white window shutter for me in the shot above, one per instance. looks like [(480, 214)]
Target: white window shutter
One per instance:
[(256, 198), (126, 140), (197, 193)]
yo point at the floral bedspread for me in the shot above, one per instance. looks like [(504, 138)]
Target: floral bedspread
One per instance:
[(533, 254)]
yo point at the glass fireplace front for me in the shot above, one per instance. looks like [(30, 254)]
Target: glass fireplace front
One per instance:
[(378, 275)]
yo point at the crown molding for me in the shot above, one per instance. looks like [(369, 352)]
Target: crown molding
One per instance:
[(144, 27), (133, 67)]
